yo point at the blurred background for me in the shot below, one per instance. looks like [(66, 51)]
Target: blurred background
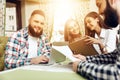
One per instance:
[(14, 15)]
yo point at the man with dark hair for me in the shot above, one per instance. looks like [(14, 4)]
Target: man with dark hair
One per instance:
[(28, 45), (104, 66)]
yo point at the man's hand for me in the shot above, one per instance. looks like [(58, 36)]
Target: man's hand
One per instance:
[(39, 59), (79, 56), (74, 65)]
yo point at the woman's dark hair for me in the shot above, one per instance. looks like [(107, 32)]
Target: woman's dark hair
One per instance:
[(101, 23)]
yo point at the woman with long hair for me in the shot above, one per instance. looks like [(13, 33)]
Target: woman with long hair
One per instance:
[(98, 33), (71, 31)]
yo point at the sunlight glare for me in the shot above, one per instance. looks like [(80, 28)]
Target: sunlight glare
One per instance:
[(63, 10)]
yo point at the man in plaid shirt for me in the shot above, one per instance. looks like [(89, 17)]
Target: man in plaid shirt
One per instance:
[(28, 45), (104, 66)]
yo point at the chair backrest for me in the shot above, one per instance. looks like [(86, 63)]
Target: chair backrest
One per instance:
[(3, 41)]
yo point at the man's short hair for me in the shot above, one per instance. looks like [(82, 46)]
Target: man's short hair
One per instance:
[(40, 12)]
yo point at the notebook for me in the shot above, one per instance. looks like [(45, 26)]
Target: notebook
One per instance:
[(79, 47)]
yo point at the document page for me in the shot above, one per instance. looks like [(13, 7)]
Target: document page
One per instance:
[(65, 50), (80, 47)]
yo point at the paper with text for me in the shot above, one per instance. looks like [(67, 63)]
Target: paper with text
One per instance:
[(65, 50)]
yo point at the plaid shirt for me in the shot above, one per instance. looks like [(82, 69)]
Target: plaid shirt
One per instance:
[(101, 67), (17, 49)]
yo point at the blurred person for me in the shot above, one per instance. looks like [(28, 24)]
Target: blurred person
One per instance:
[(71, 31), (99, 33), (103, 66), (29, 45)]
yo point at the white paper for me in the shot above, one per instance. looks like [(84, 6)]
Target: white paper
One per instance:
[(65, 50), (52, 68)]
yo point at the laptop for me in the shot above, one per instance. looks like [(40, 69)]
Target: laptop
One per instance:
[(56, 56)]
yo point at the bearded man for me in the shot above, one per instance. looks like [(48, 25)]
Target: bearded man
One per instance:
[(28, 45)]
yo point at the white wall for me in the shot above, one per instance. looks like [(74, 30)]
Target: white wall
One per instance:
[(27, 8), (2, 17), (93, 6)]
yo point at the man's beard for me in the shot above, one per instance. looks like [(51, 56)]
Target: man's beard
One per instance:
[(33, 32), (111, 16)]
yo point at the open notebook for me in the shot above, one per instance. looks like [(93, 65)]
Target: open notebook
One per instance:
[(79, 47), (61, 51)]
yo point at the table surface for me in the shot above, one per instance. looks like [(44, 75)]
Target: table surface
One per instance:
[(41, 72)]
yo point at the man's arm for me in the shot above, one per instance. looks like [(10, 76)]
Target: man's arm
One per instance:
[(11, 61), (46, 46), (16, 53), (44, 50), (103, 58), (94, 71)]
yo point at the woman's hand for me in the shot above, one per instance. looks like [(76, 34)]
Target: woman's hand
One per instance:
[(90, 40)]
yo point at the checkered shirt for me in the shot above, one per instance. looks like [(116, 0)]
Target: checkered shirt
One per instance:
[(17, 49), (101, 67)]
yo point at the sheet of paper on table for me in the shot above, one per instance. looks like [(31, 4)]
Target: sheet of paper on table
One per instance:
[(65, 50)]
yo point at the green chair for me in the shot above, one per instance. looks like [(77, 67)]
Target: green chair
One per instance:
[(3, 41)]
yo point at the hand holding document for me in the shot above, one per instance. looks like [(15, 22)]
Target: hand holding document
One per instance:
[(80, 47), (65, 50)]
